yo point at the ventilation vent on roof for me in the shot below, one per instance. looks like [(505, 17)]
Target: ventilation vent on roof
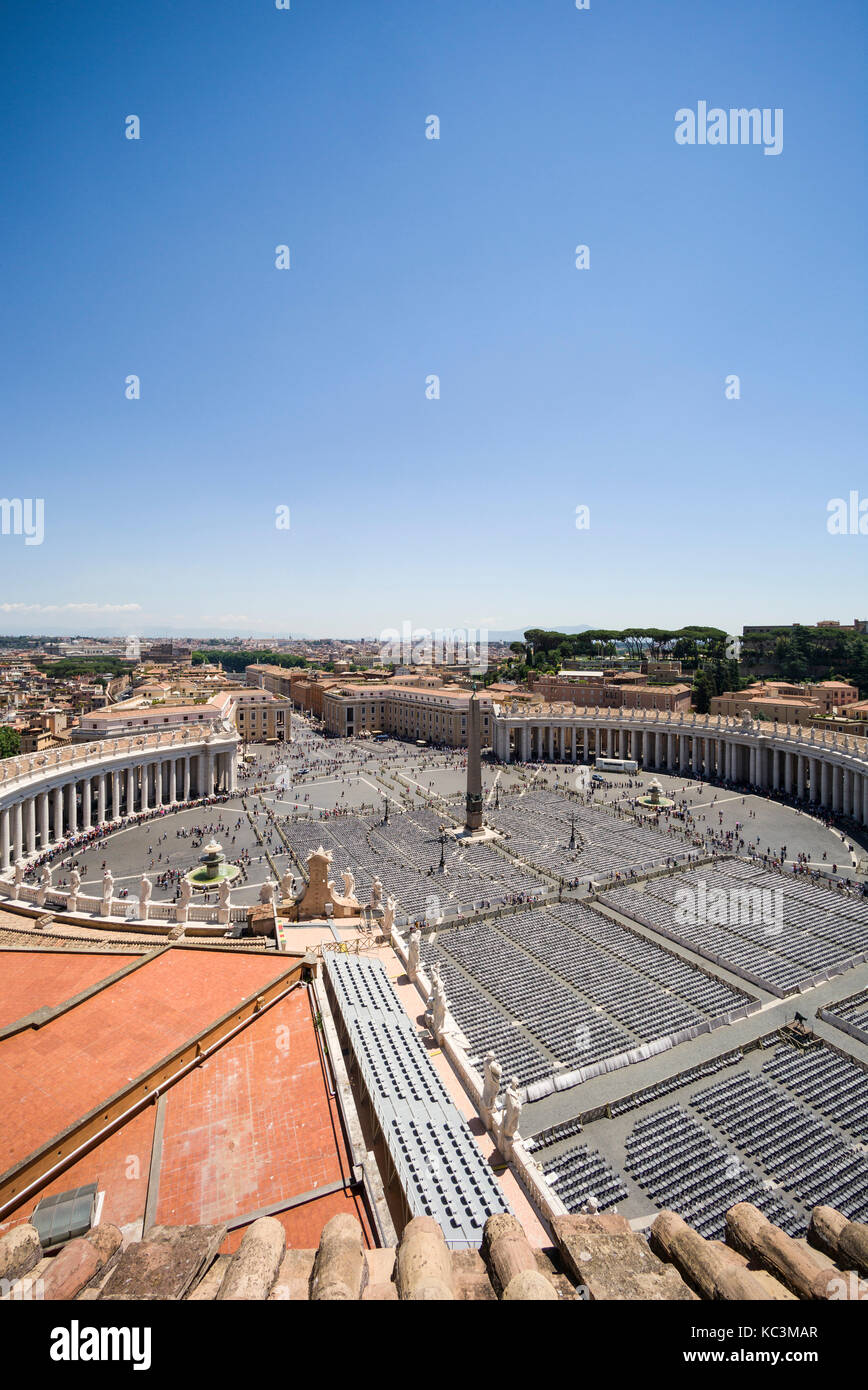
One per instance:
[(65, 1215)]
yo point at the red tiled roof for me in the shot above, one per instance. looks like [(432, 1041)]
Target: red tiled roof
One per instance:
[(52, 1077), (253, 1125), (32, 980)]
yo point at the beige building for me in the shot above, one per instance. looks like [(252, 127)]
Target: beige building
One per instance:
[(788, 703), (432, 714), (261, 717), (258, 715)]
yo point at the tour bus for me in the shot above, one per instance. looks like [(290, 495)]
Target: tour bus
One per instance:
[(616, 765)]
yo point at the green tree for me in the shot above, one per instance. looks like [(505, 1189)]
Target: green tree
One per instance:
[(703, 689), (10, 742)]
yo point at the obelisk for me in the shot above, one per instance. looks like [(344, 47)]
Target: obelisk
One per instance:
[(473, 815)]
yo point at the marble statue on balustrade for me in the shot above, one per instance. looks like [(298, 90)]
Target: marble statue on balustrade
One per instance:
[(185, 897), (266, 892), (377, 898), (287, 886), (44, 886), (74, 890), (438, 1004), (413, 953), (146, 888), (492, 1073), (223, 895), (108, 888), (389, 915), (18, 873), (349, 879), (511, 1117)]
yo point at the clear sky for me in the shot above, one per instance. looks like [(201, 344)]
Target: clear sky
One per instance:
[(306, 388)]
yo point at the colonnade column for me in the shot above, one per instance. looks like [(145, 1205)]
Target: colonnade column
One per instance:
[(131, 790), (825, 784), (58, 813), (17, 831), (100, 798), (43, 820), (800, 776), (71, 809), (4, 839), (116, 795)]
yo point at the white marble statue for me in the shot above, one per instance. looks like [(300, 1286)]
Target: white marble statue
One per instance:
[(438, 1004), (108, 888), (266, 892), (349, 879), (287, 886), (389, 915), (44, 886), (224, 892), (491, 1083), (413, 953), (146, 888), (182, 906), (376, 894), (511, 1109)]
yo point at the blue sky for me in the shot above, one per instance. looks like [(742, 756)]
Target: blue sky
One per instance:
[(305, 388)]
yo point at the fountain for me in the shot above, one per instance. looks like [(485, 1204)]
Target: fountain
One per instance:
[(654, 797), (214, 871)]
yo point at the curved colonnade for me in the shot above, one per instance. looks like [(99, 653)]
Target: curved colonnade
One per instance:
[(46, 798), (822, 769)]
